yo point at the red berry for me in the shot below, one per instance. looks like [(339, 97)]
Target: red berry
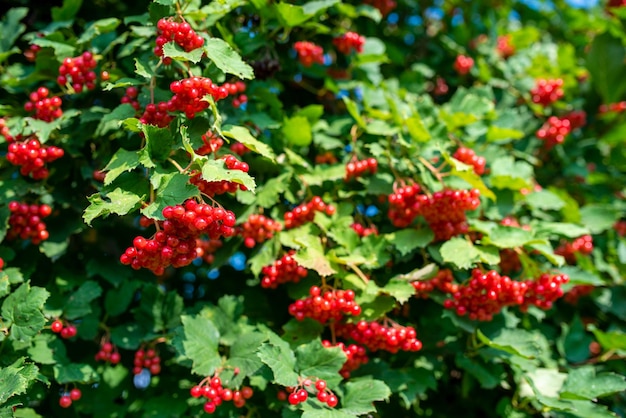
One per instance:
[(65, 401), (56, 326), (75, 394)]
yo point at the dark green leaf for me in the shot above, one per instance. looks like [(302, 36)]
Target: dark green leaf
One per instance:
[(226, 59), (22, 311)]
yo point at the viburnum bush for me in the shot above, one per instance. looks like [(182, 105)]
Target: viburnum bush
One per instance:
[(312, 209)]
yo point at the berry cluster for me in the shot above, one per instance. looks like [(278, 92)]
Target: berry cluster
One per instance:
[(32, 156), (237, 88), (617, 107), (384, 6), (326, 306), (577, 118), (577, 292), (26, 222), (108, 353), (504, 46), (257, 229), (4, 131), (284, 270), (299, 394), (66, 331), (65, 401), (147, 359), (31, 53), (265, 68), (348, 42), (404, 205), (443, 281), (554, 131), (206, 248), (547, 92), (1, 264), (620, 227), (79, 72), (485, 295), (440, 88), (305, 212), (211, 143), (463, 64), (45, 108), (212, 188), (325, 158), (180, 32), (309, 53), (363, 230), (175, 244), (239, 148), (156, 115), (212, 390), (543, 291), (130, 97), (356, 356), (189, 94), (509, 261), (357, 168), (376, 336), (469, 157), (582, 245), (445, 211)]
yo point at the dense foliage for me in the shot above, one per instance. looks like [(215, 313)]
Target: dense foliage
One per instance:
[(320, 209)]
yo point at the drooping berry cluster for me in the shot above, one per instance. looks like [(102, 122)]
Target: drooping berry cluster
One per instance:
[(554, 131), (237, 89), (356, 356), (31, 53), (463, 64), (617, 107), (581, 245), (45, 108), (469, 157), (147, 359), (384, 6), (65, 401), (299, 394), (543, 291), (575, 293), (376, 336), (440, 88), (66, 330), (284, 270), (175, 243), (32, 157), (212, 188), (577, 118), (445, 211), (326, 306), (156, 115), (309, 53), (363, 230), (305, 212), (443, 281), (348, 42), (79, 72), (212, 390), (547, 91), (108, 353), (404, 205), (169, 30), (206, 248), (211, 143), (257, 229), (189, 94), (485, 295), (26, 222), (357, 168), (130, 97)]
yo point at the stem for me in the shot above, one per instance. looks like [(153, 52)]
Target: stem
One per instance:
[(432, 169), (175, 164), (359, 272)]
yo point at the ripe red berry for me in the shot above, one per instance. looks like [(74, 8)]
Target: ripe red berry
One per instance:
[(75, 394), (56, 326), (65, 401)]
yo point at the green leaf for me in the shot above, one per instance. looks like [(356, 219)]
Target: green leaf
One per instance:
[(172, 50), (598, 218), (297, 131), (407, 240), (118, 201), (360, 396), (75, 373), (400, 289), (243, 353), (201, 343), (576, 341), (22, 310), (311, 410), (112, 121), (313, 258), (269, 194), (301, 332), (277, 355), (159, 141), (117, 300), (16, 378), (506, 173), (48, 349), (243, 135), (353, 109), (11, 28), (549, 229), (605, 62), (509, 237), (584, 383), (313, 359), (480, 372), (214, 170), (98, 28), (460, 252), (67, 12), (78, 304), (544, 200), (61, 50), (121, 162), (497, 133), (226, 59), (612, 340), (518, 342), (466, 173), (173, 189)]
